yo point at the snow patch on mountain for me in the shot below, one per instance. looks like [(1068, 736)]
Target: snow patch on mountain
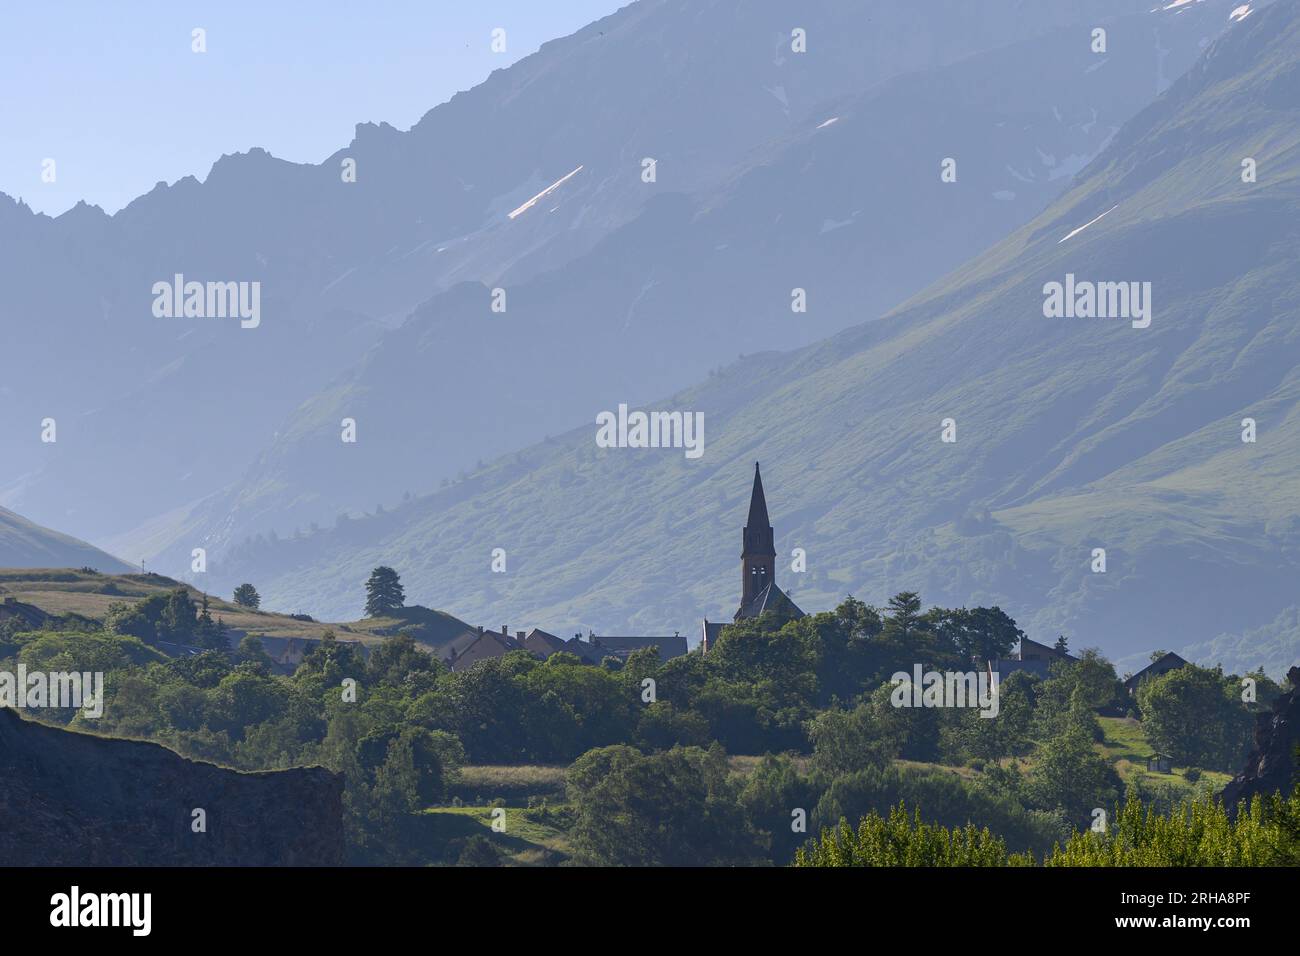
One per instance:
[(1071, 235), (544, 193)]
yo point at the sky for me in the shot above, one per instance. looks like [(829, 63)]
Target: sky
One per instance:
[(114, 94)]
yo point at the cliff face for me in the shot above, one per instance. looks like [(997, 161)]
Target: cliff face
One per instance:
[(72, 799), (1272, 764)]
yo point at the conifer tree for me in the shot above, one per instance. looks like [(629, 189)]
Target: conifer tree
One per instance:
[(384, 592)]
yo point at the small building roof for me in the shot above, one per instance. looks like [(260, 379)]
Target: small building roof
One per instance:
[(542, 642), (625, 647), (771, 598), (1168, 661), (1030, 644), (1004, 667), (484, 646), (709, 634)]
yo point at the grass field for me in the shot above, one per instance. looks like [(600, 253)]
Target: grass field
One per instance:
[(483, 784), (68, 591), (1127, 747), (527, 838)]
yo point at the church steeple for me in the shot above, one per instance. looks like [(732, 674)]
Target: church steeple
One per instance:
[(758, 557), (760, 594)]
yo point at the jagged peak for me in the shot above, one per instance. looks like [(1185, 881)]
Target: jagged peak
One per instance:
[(371, 132), (83, 210)]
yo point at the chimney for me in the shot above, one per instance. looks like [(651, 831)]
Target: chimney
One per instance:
[(480, 628), (505, 631), (519, 636)]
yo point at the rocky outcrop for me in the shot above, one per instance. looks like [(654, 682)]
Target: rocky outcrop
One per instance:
[(1272, 764), (75, 799)]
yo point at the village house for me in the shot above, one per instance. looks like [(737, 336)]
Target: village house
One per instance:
[(1161, 665), (470, 649), (1030, 656)]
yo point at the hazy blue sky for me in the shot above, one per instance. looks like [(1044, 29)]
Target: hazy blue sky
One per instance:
[(112, 92)]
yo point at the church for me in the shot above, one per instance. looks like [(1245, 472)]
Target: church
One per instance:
[(759, 591), (759, 594)]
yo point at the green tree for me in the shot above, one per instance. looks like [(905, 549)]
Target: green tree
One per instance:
[(903, 840), (244, 699), (412, 774), (779, 801), (479, 851), (1196, 715), (179, 617), (913, 733), (1071, 776), (910, 637), (208, 633), (246, 596), (845, 741), (252, 651), (903, 613), (384, 592), (400, 661), (662, 727), (1199, 833), (676, 808), (979, 634), (970, 735)]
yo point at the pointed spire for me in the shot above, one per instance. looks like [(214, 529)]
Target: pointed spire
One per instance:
[(758, 535), (758, 520)]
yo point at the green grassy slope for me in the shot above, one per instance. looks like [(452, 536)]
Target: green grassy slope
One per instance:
[(70, 591), (1072, 433)]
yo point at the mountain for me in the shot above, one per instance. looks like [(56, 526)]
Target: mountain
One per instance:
[(817, 171), (24, 544), (1072, 434), (1273, 646)]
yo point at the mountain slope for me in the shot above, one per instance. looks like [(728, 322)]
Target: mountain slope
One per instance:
[(1073, 434), (696, 86), (24, 544), (845, 201)]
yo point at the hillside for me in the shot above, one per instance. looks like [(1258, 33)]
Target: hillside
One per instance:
[(1073, 434), (434, 629), (832, 198), (718, 99), (1273, 646), (25, 544), (62, 591)]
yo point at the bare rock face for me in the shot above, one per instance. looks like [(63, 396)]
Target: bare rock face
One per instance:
[(1272, 764), (74, 799)]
